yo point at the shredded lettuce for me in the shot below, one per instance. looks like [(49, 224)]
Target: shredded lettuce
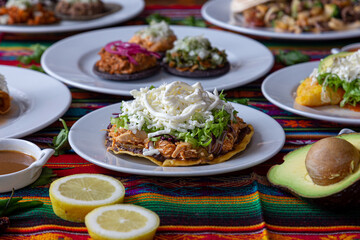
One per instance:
[(197, 136), (352, 89)]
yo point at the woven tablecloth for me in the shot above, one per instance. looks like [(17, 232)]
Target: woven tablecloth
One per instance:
[(238, 205)]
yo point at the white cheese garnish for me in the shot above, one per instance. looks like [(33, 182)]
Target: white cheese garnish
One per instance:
[(195, 46), (347, 68), (156, 31), (172, 107), (3, 84), (21, 4)]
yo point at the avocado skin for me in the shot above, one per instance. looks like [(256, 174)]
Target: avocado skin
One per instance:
[(343, 200)]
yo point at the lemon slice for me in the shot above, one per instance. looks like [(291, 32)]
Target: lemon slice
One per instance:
[(122, 222), (74, 196)]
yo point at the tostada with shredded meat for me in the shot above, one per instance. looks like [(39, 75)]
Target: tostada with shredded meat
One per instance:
[(194, 57), (178, 124), (157, 37), (26, 12), (5, 100), (126, 61)]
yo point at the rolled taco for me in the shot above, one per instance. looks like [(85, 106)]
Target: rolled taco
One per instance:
[(4, 96)]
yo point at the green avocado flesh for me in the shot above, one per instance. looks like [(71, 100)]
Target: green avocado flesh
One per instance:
[(328, 61), (292, 174)]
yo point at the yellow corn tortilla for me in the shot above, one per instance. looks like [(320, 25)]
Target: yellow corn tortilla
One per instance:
[(183, 163)]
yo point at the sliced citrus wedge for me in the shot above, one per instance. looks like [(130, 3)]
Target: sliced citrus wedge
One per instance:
[(74, 196), (122, 222)]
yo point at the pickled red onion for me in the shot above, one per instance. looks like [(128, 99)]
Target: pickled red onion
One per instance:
[(127, 49)]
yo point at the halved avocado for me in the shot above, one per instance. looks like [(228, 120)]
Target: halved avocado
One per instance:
[(329, 60), (293, 177)]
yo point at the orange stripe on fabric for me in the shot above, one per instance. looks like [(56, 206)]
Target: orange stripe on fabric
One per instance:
[(312, 228), (45, 227), (211, 228), (150, 196)]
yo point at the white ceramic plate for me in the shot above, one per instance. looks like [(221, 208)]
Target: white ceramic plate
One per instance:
[(280, 89), (71, 60), (37, 101), (129, 10), (87, 138), (217, 12)]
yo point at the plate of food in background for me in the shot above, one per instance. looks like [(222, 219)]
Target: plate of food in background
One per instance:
[(295, 19), (29, 101), (326, 90), (28, 16), (117, 60)]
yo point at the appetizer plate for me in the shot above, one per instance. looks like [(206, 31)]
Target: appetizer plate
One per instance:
[(280, 89), (37, 101), (218, 13), (87, 138), (129, 10), (71, 61)]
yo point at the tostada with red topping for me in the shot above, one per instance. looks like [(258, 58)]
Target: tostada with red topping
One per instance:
[(126, 61)]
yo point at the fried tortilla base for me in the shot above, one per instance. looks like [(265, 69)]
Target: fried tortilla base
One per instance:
[(183, 163), (5, 102)]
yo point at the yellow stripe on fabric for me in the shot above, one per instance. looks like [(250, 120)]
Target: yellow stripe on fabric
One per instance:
[(280, 199), (193, 200)]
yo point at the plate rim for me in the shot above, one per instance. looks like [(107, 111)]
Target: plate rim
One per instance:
[(270, 34), (265, 92), (83, 26), (46, 120), (280, 141), (121, 92)]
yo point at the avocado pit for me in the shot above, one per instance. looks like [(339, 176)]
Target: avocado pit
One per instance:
[(330, 160)]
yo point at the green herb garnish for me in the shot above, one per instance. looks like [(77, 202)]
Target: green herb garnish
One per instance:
[(291, 57), (157, 18), (13, 205), (60, 142), (38, 50), (192, 21)]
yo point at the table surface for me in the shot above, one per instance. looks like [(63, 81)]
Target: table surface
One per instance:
[(237, 205)]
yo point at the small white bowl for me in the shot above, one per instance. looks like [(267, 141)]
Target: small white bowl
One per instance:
[(346, 48), (28, 175)]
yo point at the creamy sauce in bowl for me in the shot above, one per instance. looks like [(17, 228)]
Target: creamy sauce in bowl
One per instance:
[(14, 161)]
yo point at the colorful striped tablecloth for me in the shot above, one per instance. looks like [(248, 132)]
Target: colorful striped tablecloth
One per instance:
[(238, 205)]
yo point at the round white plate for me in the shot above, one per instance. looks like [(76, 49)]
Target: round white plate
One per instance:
[(71, 60), (280, 89), (87, 138), (37, 101), (129, 10), (217, 12)]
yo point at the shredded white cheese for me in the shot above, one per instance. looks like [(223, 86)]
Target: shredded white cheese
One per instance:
[(195, 46), (172, 107), (347, 68)]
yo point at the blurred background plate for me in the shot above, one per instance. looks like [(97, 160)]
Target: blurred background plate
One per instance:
[(129, 10), (217, 12)]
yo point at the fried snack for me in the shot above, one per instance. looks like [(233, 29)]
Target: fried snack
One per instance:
[(4, 96), (178, 125)]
